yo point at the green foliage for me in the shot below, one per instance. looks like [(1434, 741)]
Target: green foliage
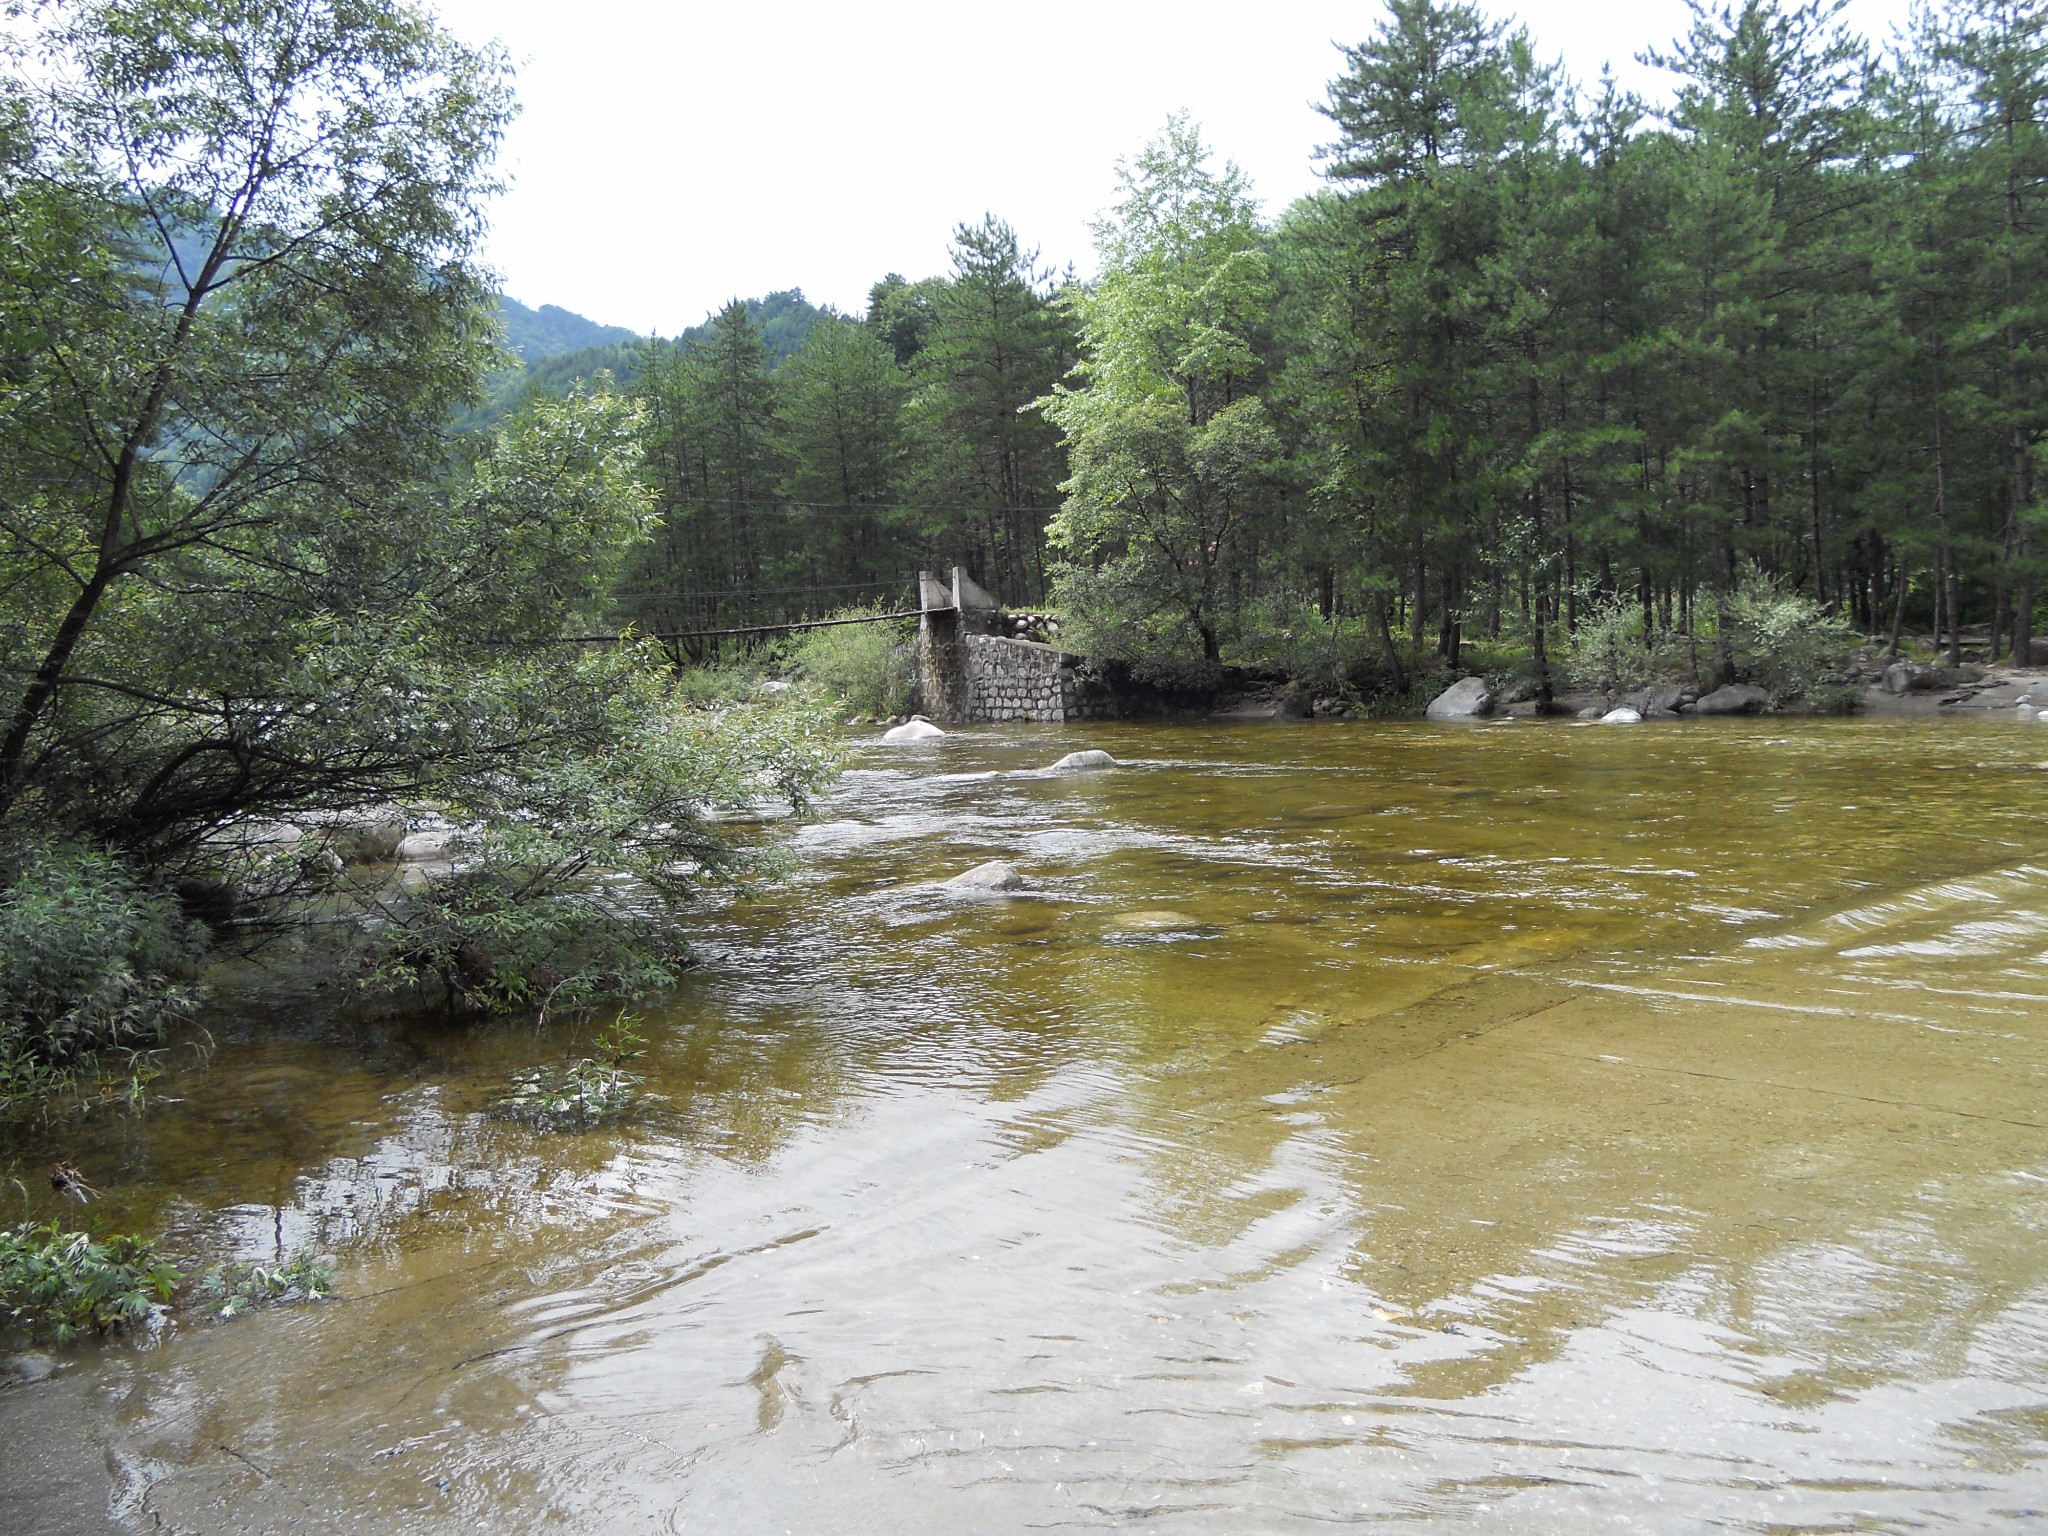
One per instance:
[(1166, 438), (92, 964), (613, 365), (784, 319), (575, 866), (854, 662), (725, 682), (1781, 641), (240, 1287), (56, 1285), (236, 322), (1787, 643), (993, 338), (1613, 652), (1325, 655), (586, 1092)]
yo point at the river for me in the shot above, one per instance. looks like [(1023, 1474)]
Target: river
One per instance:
[(1518, 1127)]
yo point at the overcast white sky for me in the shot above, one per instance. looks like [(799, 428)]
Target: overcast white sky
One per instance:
[(671, 157)]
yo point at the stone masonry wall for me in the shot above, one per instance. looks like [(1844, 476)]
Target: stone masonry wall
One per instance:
[(1019, 680)]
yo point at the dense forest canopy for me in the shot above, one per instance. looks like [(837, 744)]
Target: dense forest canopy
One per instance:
[(1539, 348)]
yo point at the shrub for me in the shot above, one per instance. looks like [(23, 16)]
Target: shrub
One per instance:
[(573, 870), (1787, 643), (91, 961), (1321, 654), (1118, 626), (1612, 651), (853, 662), (55, 1285), (726, 682)]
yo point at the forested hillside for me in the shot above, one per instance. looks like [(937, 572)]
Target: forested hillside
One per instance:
[(559, 349), (1538, 351), (534, 334)]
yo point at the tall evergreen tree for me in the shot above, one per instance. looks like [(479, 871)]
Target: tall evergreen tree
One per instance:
[(989, 470)]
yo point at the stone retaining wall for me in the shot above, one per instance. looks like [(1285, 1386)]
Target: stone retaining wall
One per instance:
[(1019, 680)]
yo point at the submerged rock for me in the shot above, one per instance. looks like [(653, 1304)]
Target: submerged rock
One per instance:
[(1622, 716), (26, 1368), (1735, 699), (1467, 699), (1156, 920), (912, 730), (994, 877), (1290, 703), (1082, 762)]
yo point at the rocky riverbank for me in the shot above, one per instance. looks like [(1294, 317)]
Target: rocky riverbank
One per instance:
[(1878, 686)]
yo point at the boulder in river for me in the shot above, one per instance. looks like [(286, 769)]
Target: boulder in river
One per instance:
[(1084, 762), (1735, 699), (1591, 712), (427, 847), (912, 730), (992, 879), (1622, 716), (1467, 699), (1665, 700), (367, 836)]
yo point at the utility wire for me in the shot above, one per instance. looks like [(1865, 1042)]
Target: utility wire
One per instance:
[(850, 508), (707, 634), (849, 586)]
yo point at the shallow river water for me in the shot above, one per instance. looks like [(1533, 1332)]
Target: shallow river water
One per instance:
[(1517, 1127)]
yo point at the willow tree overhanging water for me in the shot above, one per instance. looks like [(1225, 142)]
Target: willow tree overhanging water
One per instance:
[(245, 570)]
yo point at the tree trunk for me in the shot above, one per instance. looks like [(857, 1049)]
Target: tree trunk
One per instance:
[(1898, 605), (1391, 651)]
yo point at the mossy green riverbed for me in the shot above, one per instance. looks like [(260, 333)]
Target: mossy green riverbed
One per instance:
[(1519, 1127)]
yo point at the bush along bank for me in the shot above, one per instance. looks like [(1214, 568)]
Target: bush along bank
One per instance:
[(1766, 647)]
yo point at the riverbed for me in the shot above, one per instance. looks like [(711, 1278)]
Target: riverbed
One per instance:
[(1521, 1127)]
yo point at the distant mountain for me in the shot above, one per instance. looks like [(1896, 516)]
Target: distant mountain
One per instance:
[(552, 330), (559, 348)]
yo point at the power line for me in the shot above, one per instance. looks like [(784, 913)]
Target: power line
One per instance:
[(848, 586), (709, 634), (737, 502)]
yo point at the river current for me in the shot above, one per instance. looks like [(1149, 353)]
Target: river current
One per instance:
[(1518, 1127)]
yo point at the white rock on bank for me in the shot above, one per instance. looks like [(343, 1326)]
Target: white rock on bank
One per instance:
[(1467, 699), (1622, 716)]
